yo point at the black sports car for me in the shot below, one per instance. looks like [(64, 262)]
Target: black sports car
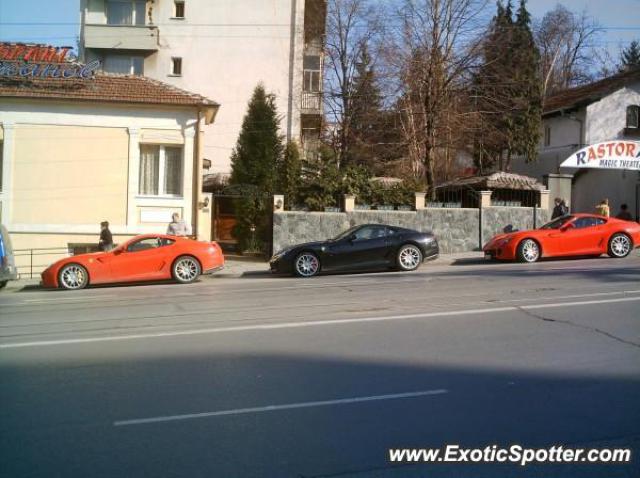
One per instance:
[(366, 247)]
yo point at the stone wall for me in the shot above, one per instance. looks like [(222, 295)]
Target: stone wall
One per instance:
[(495, 219), (457, 230)]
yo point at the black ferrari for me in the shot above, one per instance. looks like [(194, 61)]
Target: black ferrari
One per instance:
[(366, 247)]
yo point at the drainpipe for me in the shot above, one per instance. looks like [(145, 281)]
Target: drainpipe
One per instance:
[(197, 175)]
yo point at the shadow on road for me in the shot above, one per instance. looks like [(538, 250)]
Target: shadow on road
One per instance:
[(58, 414)]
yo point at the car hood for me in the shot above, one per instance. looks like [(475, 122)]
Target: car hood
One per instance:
[(308, 245)]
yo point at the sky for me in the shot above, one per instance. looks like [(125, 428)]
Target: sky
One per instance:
[(56, 21)]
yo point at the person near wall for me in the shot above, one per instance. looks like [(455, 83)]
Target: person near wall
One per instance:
[(106, 239), (624, 213), (560, 208), (603, 208), (177, 227)]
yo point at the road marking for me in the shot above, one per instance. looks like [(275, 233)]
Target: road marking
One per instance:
[(310, 323), (79, 298), (273, 408)]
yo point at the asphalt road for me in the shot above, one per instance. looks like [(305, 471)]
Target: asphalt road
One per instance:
[(281, 377)]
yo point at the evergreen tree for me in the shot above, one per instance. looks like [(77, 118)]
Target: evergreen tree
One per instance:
[(253, 170), (289, 172), (507, 91), (365, 118), (630, 56)]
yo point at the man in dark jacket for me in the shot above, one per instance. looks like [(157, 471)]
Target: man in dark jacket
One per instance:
[(560, 209), (106, 240)]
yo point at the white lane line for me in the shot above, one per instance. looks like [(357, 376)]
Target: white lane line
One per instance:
[(310, 323), (79, 298), (273, 408), (573, 296)]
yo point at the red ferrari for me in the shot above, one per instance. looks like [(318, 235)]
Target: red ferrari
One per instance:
[(143, 258), (572, 235)]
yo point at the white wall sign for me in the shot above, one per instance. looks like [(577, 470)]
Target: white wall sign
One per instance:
[(606, 155)]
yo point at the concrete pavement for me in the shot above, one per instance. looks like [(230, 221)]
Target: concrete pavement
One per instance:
[(279, 377)]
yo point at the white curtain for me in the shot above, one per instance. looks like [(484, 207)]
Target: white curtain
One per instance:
[(173, 170), (149, 169), (117, 64), (119, 12)]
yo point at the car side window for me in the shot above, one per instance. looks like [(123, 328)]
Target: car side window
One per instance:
[(164, 241), (584, 222), (144, 244), (373, 232)]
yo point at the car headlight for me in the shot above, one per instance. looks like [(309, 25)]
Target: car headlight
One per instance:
[(505, 241)]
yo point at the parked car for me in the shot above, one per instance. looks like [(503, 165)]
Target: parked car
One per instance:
[(143, 258), (8, 269), (366, 247), (571, 235)]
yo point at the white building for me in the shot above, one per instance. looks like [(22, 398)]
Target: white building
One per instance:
[(606, 110), (221, 48)]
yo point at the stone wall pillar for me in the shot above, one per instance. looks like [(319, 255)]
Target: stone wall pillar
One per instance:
[(543, 200), (278, 202), (485, 199), (420, 201), (349, 202)]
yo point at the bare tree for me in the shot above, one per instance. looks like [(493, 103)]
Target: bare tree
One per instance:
[(566, 52), (351, 26), (437, 44)]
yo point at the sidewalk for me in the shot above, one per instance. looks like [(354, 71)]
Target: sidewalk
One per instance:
[(247, 267)]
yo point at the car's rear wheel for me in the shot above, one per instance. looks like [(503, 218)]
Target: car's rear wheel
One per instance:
[(528, 251), (619, 246), (186, 269), (409, 258), (73, 277), (306, 264)]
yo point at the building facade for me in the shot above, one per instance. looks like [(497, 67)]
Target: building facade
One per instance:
[(75, 152), (223, 49), (606, 110)]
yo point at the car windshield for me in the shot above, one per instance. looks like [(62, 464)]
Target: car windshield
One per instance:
[(557, 223), (346, 233)]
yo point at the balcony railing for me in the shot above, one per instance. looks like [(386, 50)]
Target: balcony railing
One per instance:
[(312, 102), (121, 37)]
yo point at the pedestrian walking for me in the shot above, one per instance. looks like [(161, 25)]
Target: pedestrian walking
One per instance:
[(624, 213), (603, 208), (560, 208), (177, 227), (106, 239)]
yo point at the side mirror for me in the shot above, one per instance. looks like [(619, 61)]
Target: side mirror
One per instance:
[(352, 238)]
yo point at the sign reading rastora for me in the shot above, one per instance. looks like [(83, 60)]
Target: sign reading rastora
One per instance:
[(18, 60), (606, 155)]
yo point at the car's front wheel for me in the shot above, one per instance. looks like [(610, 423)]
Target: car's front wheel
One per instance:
[(409, 258), (73, 277), (306, 264), (186, 269), (619, 246), (528, 251)]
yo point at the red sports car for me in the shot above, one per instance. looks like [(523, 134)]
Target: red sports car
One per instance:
[(572, 235), (143, 258)]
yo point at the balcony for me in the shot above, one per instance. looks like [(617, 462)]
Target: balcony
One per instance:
[(311, 103), (121, 37)]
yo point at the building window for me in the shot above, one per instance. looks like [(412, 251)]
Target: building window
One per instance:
[(128, 65), (178, 9), (161, 170), (311, 73), (547, 135), (126, 12), (1, 162), (633, 116), (176, 66)]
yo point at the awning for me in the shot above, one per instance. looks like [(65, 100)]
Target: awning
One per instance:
[(607, 155)]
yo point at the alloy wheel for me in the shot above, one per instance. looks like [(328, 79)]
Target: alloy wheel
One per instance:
[(307, 265), (186, 269), (73, 277), (530, 250), (620, 245), (409, 257)]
